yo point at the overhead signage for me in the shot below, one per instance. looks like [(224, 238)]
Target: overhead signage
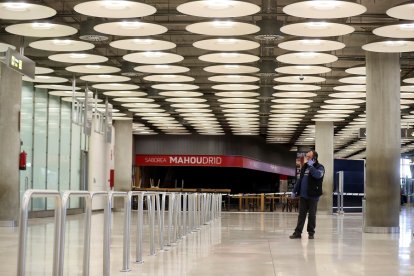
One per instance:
[(20, 63), (406, 133), (211, 161)]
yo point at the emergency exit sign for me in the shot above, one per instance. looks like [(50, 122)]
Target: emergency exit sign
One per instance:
[(20, 63)]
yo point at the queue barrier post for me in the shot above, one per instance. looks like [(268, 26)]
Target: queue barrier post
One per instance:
[(24, 215)]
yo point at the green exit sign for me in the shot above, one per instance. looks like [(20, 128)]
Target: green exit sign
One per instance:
[(20, 63)]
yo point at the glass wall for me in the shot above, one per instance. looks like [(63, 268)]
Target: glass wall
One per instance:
[(53, 145)]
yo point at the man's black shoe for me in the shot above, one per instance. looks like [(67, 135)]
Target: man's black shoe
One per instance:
[(311, 237), (295, 236)]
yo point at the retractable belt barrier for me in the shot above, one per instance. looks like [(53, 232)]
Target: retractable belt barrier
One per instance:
[(187, 212)]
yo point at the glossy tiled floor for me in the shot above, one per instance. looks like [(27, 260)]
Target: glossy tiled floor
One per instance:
[(240, 244)]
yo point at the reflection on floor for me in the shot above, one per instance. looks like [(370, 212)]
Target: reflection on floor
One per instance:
[(240, 244)]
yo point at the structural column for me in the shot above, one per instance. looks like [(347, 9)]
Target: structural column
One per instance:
[(383, 143), (123, 157), (324, 134), (10, 102)]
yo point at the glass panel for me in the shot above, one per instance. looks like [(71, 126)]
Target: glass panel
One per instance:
[(26, 135), (40, 146), (53, 147), (65, 134)]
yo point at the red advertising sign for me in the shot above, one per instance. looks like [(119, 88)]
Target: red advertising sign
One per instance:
[(211, 161)]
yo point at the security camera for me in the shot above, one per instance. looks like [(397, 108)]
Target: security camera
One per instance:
[(301, 78)]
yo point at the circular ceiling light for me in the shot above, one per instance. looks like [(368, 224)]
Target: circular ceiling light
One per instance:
[(161, 69), (402, 11), (339, 111), (43, 70), (237, 94), (233, 79), (115, 9), (4, 47), (240, 110), (130, 28), (45, 79), (231, 69), (63, 93), (175, 86), (56, 87), (153, 58), (349, 95), (317, 29), (138, 44), (344, 101), (229, 58), (128, 94), (181, 94), (300, 79), (222, 28), (351, 88), (324, 9), (193, 110), (340, 106), (146, 110), (12, 10), (405, 30), (190, 105), (292, 101), (218, 8), (41, 30), (294, 95), (61, 45), (403, 101), (185, 100), (139, 105), (390, 46), (238, 106), (235, 87), (311, 45), (133, 100), (354, 80), (290, 106), (303, 70), (93, 69), (409, 80), (78, 58), (328, 119), (359, 70), (226, 44), (104, 78), (293, 111), (311, 58), (115, 86), (237, 100), (407, 88), (407, 95), (297, 87), (168, 78)]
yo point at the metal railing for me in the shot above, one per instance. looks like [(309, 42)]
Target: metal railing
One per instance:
[(186, 213)]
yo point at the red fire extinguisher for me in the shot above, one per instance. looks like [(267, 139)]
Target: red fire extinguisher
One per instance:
[(22, 160), (111, 178)]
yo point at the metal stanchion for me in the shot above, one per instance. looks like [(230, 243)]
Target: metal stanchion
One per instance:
[(24, 215), (340, 194), (87, 233), (171, 200)]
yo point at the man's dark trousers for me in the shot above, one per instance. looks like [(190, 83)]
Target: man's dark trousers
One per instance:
[(307, 205)]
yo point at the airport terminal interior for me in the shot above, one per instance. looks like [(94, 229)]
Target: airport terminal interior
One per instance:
[(190, 137)]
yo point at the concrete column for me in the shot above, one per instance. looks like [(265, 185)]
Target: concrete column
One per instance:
[(123, 157), (382, 188), (324, 134), (10, 102)]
